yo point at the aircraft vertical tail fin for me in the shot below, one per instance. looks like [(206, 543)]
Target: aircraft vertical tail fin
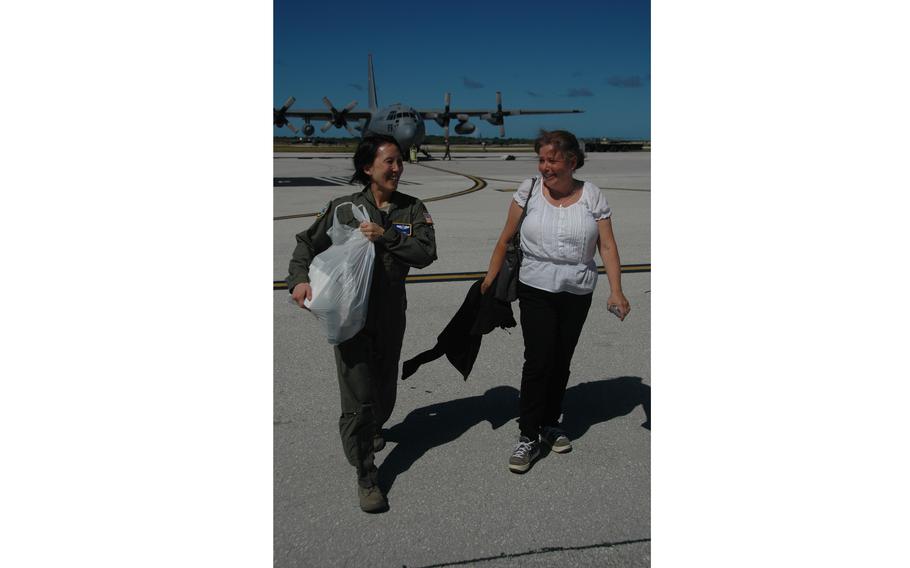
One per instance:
[(371, 86)]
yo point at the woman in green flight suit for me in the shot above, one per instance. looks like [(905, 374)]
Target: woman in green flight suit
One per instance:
[(403, 234)]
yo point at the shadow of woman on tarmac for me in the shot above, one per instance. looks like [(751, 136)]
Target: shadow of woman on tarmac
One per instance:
[(586, 404), (426, 428)]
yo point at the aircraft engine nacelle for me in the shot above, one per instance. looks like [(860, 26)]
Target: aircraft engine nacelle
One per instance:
[(464, 128), (493, 119), (308, 130)]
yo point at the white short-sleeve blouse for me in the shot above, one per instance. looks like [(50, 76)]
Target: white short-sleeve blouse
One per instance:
[(559, 242)]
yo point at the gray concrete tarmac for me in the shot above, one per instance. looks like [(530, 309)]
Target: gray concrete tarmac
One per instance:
[(452, 499)]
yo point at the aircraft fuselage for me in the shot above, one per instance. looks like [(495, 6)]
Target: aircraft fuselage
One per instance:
[(400, 121)]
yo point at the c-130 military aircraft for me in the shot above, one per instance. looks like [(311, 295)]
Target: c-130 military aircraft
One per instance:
[(403, 122)]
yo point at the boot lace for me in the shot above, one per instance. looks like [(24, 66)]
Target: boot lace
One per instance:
[(523, 449)]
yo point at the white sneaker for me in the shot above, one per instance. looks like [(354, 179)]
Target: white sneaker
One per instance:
[(556, 439), (524, 454)]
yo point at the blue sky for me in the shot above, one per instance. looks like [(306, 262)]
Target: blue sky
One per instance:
[(589, 55)]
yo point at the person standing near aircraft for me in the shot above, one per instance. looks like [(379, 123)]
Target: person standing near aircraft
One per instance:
[(566, 220), (367, 364)]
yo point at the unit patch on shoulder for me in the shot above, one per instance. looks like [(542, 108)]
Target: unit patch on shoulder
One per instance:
[(403, 228), (323, 210), (427, 218)]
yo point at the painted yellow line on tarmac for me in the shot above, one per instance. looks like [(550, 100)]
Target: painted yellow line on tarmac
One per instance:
[(297, 216), (478, 185), (444, 277), (463, 276), (513, 189)]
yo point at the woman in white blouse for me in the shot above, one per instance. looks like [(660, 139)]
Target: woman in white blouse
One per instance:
[(567, 219)]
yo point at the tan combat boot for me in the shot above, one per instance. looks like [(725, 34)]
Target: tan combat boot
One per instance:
[(371, 499)]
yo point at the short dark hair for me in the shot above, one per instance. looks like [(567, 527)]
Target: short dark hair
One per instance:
[(366, 154), (564, 142)]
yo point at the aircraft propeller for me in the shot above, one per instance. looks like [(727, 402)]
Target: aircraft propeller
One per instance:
[(339, 118), (445, 117), (279, 118), (496, 118)]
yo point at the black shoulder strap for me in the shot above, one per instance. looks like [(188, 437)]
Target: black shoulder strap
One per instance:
[(516, 238), (528, 200)]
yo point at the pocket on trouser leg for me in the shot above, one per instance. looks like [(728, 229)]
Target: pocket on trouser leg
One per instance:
[(357, 430)]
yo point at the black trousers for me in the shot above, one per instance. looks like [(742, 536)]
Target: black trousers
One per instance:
[(550, 325)]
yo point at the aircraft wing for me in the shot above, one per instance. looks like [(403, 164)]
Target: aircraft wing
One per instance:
[(322, 114), (332, 116), (495, 117), (440, 113)]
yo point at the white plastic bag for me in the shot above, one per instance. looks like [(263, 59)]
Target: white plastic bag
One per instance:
[(340, 277)]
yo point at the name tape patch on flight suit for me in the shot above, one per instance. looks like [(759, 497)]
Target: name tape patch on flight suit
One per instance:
[(403, 228)]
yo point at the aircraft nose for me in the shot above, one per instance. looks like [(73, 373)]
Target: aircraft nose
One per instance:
[(406, 131)]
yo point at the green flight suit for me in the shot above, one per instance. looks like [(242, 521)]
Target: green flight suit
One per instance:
[(367, 364)]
